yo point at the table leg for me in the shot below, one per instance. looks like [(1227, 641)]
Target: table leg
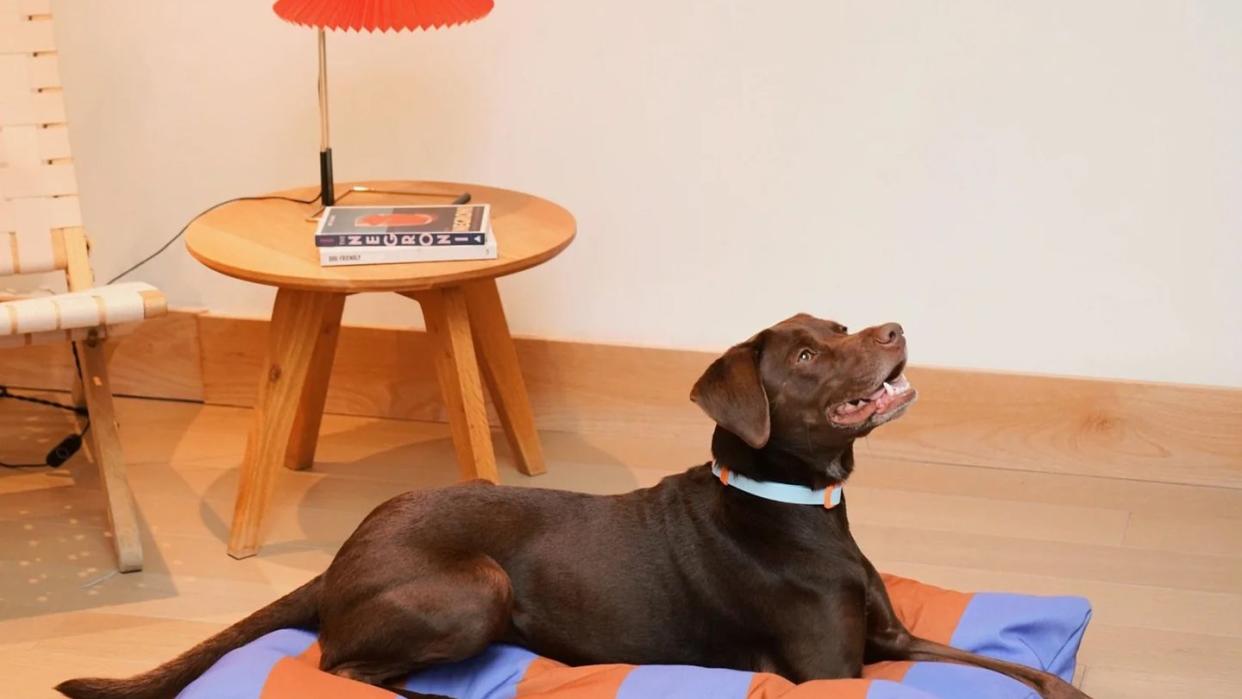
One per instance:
[(448, 325), (305, 438), (499, 360), (298, 320)]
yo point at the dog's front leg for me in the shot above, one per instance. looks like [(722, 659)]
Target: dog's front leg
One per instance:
[(824, 641), (888, 639)]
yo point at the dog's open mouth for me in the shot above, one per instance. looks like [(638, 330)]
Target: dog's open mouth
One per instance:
[(892, 395)]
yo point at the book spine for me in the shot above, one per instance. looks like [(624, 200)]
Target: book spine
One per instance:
[(416, 240), (335, 257)]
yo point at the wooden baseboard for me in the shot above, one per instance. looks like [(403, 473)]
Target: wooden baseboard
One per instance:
[(159, 359), (1119, 429)]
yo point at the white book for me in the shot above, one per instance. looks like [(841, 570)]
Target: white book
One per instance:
[(374, 235), (379, 255)]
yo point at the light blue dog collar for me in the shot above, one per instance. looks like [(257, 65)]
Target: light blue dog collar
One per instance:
[(827, 498)]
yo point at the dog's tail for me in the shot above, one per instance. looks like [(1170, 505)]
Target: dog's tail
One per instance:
[(907, 647), (298, 608)]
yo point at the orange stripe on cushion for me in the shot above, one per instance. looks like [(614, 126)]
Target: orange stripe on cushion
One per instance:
[(548, 679), (928, 611), (768, 686), (293, 678), (312, 654)]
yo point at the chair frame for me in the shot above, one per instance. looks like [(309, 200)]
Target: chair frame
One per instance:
[(44, 171), (93, 390)]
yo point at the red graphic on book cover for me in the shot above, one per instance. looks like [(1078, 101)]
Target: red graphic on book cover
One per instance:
[(393, 220)]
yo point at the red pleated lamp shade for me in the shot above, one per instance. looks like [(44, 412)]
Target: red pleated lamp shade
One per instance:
[(381, 15)]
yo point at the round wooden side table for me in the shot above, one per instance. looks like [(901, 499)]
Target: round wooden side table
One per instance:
[(271, 241)]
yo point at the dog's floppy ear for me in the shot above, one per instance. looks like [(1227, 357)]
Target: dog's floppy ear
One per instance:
[(731, 393)]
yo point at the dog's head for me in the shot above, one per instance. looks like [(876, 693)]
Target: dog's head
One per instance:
[(804, 389)]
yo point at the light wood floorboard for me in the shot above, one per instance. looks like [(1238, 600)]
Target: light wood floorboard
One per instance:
[(1161, 563)]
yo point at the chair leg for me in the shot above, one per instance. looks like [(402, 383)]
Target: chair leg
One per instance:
[(306, 423), (499, 360), (106, 448), (448, 324), (77, 392), (298, 321)]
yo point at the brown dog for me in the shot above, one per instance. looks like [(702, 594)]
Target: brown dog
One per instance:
[(687, 572)]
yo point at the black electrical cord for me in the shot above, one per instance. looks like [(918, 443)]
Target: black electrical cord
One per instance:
[(6, 393), (71, 444), (463, 198), (200, 214), (67, 447)]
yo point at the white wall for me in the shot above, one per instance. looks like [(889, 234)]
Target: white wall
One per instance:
[(1031, 186)]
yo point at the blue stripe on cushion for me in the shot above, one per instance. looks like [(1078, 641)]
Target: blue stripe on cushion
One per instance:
[(684, 682), (1042, 632), (492, 674), (949, 680), (240, 674), (884, 689)]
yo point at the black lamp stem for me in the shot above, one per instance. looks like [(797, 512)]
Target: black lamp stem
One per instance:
[(325, 178), (326, 189)]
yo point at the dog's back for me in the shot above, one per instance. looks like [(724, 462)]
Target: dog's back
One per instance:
[(621, 578)]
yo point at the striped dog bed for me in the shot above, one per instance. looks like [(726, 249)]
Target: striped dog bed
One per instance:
[(1042, 632)]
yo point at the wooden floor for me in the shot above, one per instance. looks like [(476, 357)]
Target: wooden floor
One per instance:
[(1162, 564)]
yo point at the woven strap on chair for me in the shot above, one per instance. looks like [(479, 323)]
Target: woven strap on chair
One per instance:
[(38, 190), (28, 321)]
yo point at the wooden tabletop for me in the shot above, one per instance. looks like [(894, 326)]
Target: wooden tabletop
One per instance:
[(272, 242)]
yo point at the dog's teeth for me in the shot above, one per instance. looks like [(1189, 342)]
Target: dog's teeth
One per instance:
[(889, 388)]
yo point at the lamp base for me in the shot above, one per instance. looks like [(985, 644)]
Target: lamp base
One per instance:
[(327, 194)]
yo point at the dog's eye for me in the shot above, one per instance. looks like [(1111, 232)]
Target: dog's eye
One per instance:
[(806, 355)]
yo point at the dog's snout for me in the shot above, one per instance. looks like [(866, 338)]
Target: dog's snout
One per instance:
[(888, 333)]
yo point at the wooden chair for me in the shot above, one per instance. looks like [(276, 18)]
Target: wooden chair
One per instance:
[(40, 232)]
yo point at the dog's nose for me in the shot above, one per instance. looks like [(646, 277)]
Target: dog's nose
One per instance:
[(888, 333)]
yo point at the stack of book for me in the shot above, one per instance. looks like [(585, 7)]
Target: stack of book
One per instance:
[(377, 235)]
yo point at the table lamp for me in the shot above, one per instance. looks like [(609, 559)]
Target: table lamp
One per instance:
[(371, 15)]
